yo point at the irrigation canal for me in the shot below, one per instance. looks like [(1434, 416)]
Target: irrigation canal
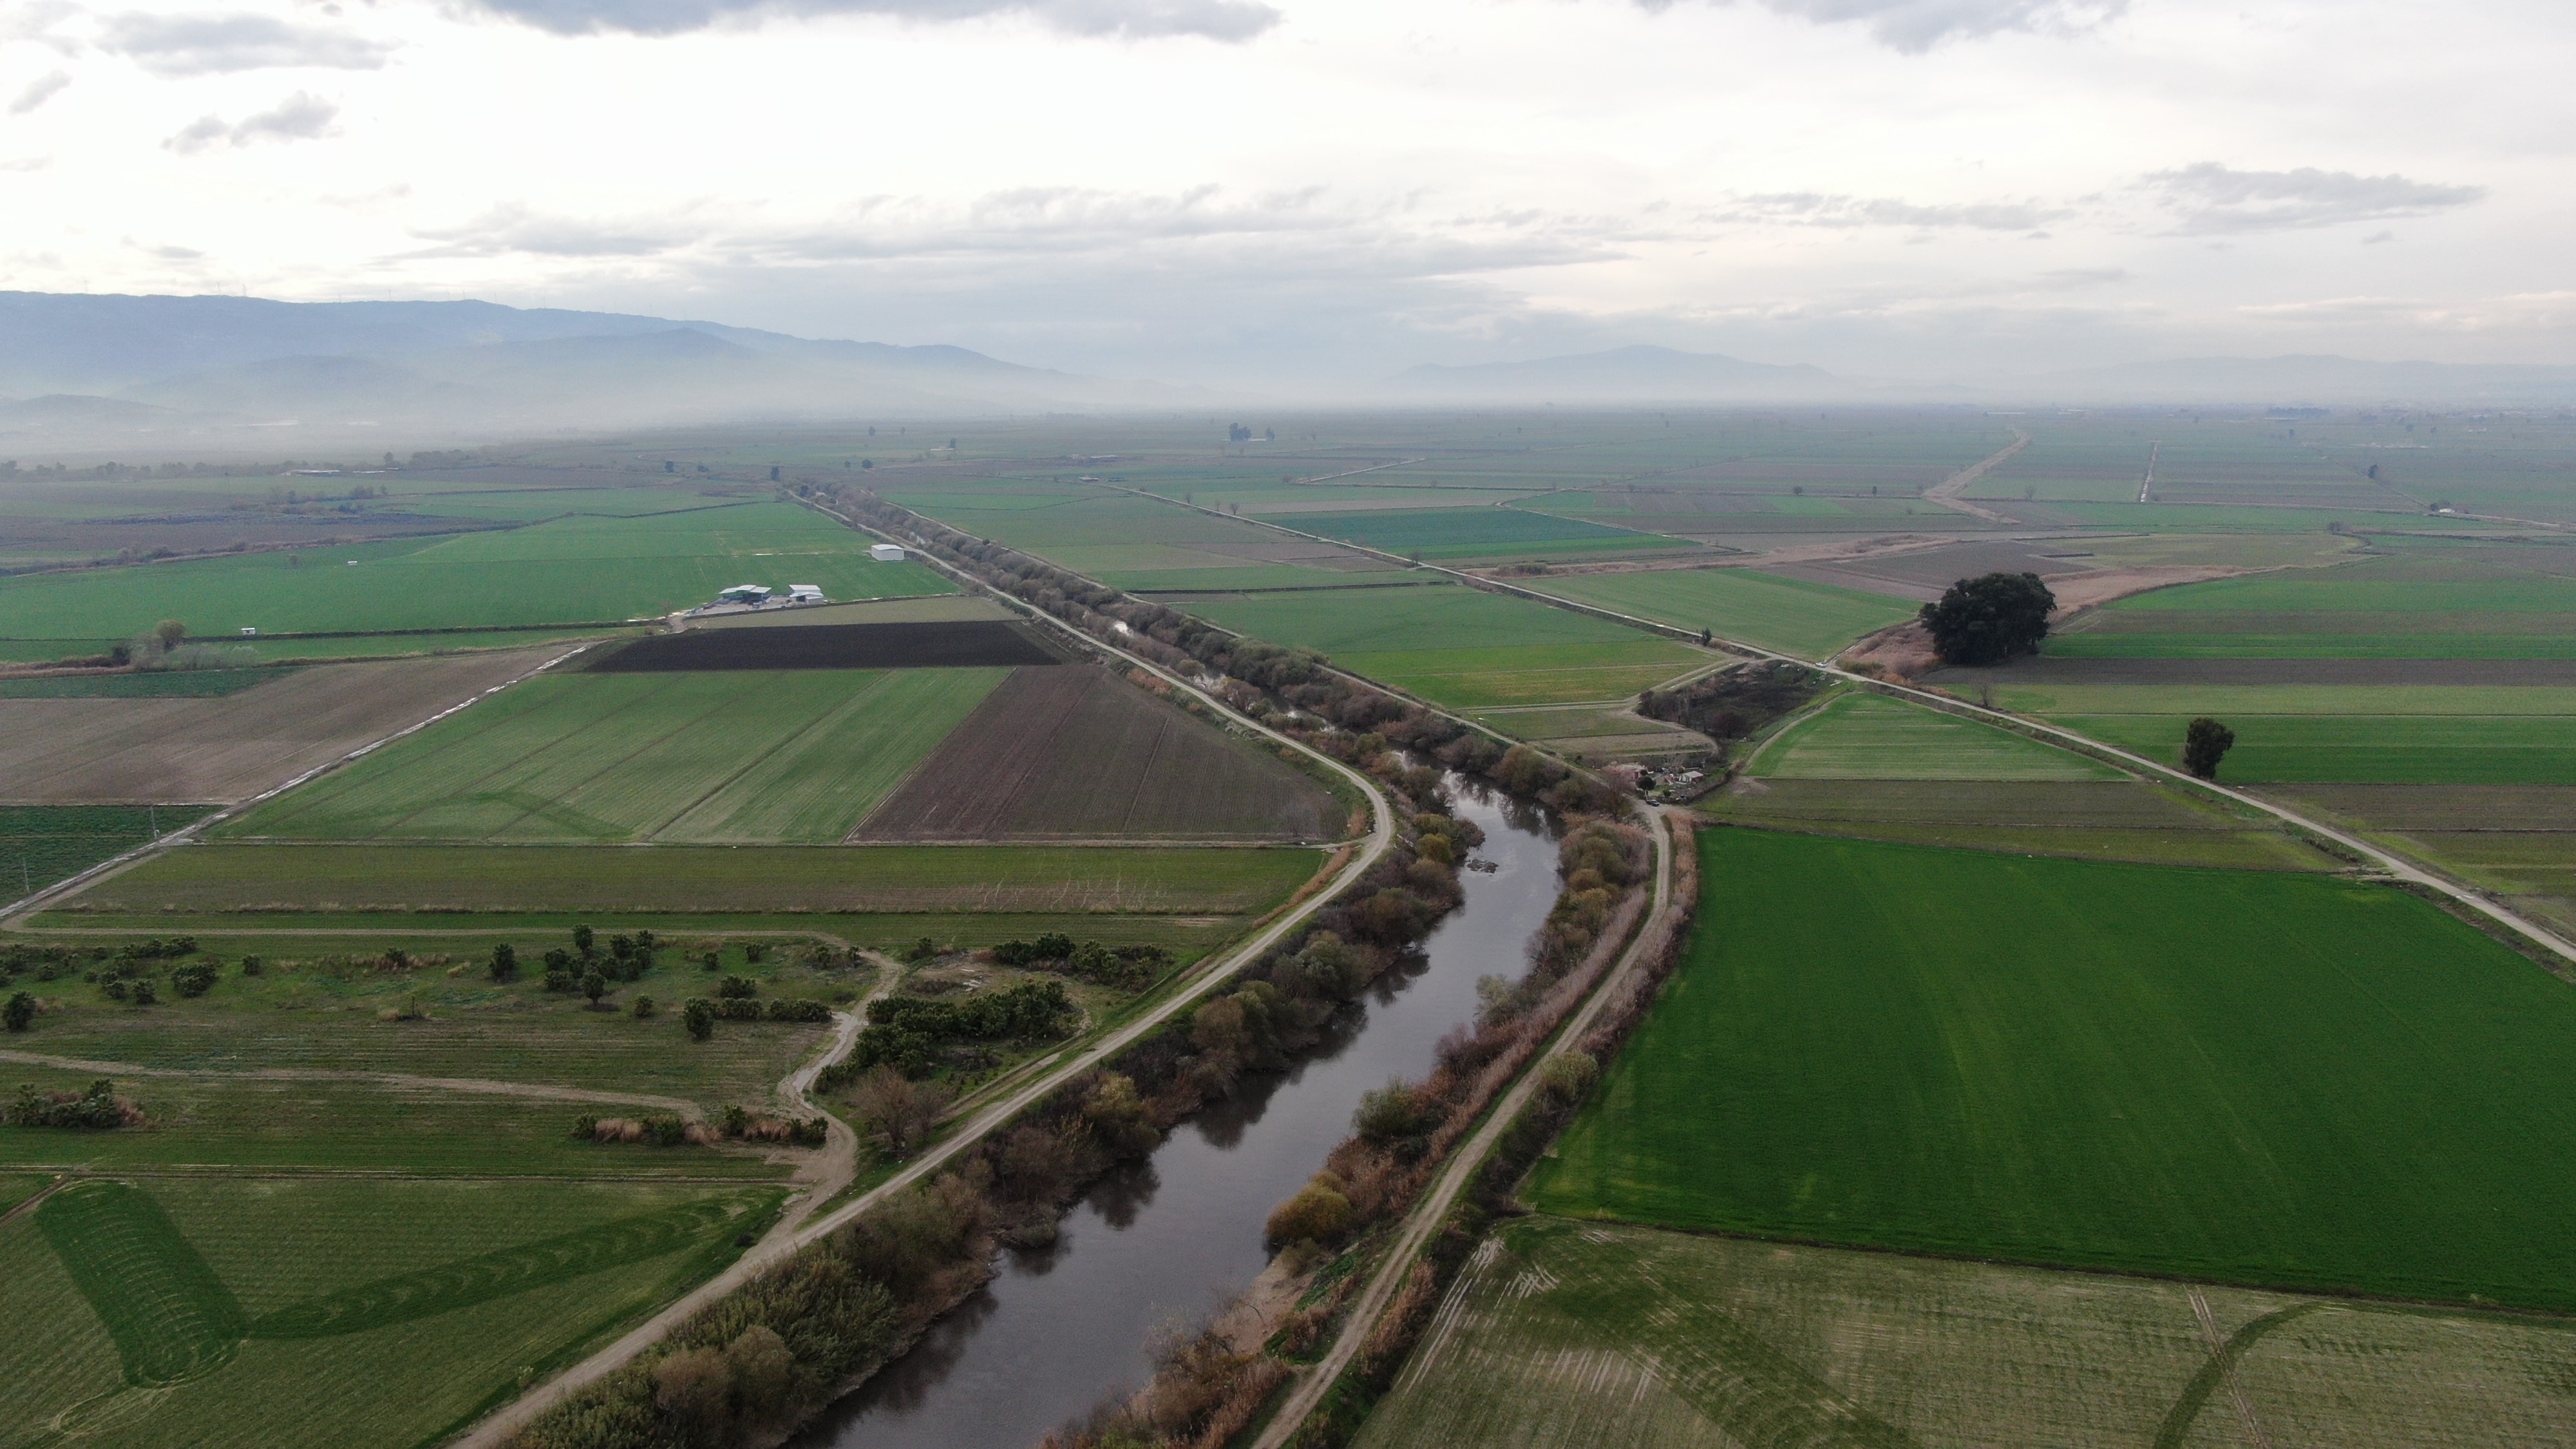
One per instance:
[(1170, 1240)]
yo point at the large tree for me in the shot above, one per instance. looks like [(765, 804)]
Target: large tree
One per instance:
[(1990, 619), (2204, 744)]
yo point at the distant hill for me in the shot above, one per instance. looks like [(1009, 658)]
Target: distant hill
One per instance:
[(120, 367), (2312, 378), (1622, 375)]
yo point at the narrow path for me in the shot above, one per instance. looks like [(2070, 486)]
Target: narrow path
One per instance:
[(1946, 492), (777, 1247), (483, 1085), (1433, 1209), (2147, 485), (2227, 1367), (830, 1170)]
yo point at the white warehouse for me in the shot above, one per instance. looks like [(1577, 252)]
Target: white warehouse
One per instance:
[(886, 552)]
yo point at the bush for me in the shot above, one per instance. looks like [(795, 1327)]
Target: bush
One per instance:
[(807, 1010), (644, 1006), (505, 962), (145, 994), (252, 965), (700, 1018), (897, 1112), (1319, 1213), (95, 1110), (20, 1013), (734, 988), (1567, 1076), (1393, 1113), (194, 979)]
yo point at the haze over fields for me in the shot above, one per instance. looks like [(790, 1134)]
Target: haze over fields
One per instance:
[(2070, 200)]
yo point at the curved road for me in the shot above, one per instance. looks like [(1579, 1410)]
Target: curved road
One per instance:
[(496, 1429)]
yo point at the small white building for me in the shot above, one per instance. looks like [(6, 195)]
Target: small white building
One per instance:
[(886, 552), (804, 593)]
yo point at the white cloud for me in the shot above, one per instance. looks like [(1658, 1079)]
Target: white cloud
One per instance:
[(1916, 26), (300, 117), (1813, 208), (2212, 199), (1224, 20), (40, 90), (217, 42)]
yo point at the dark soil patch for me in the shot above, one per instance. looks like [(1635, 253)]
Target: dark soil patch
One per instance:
[(971, 644), (1076, 754)]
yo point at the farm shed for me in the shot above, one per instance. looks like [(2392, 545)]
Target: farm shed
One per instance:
[(886, 552)]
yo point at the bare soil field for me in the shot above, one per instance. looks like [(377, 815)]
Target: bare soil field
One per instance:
[(1075, 753), (137, 751), (969, 644), (2077, 669)]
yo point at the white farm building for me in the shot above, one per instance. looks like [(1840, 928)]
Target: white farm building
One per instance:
[(886, 552)]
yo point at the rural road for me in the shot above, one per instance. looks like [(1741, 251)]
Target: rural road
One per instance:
[(483, 1085), (1427, 1215), (1946, 492), (777, 1248)]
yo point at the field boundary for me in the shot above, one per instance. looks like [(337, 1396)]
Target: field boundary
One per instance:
[(14, 914), (1221, 967)]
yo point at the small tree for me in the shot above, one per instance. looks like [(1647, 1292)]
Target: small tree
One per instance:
[(644, 1006), (699, 1016), (584, 941), (594, 985), (898, 1113), (20, 1013), (145, 994), (252, 965), (505, 962), (2204, 744), (1990, 619)]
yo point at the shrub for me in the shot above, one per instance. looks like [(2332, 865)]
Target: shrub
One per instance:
[(95, 1110), (505, 962), (735, 987), (644, 1006), (584, 941), (1319, 1213), (194, 979), (700, 1018), (252, 965), (1567, 1076), (145, 994), (1393, 1113), (898, 1113), (20, 1013), (798, 1011)]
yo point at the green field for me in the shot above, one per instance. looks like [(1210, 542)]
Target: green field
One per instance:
[(1793, 616), (729, 757), (164, 684), (203, 1313), (2461, 603), (248, 881), (2360, 749), (41, 844), (304, 1125), (2265, 1078), (1863, 736), (1461, 533), (2092, 819), (1461, 647), (1564, 1334), (575, 570)]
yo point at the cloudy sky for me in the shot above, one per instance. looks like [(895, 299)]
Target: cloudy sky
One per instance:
[(1302, 191)]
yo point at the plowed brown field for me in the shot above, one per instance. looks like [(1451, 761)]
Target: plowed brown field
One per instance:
[(1073, 753), (139, 751)]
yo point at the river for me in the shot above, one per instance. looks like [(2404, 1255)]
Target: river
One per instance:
[(1170, 1240)]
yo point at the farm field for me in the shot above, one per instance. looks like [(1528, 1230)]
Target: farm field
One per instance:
[(246, 1122), (1864, 736), (2265, 1078), (1077, 753), (2463, 603), (166, 684), (571, 571), (1460, 647), (749, 757), (2516, 840), (1478, 533), (1563, 1333), (321, 1004), (271, 933), (1793, 616), (137, 751), (201, 1313), (245, 882), (2461, 749), (921, 644), (2093, 819), (1133, 542), (41, 844)]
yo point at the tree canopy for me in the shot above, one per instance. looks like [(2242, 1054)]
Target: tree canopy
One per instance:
[(2204, 744), (1990, 619)]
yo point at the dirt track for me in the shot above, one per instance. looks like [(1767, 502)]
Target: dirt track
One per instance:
[(217, 751)]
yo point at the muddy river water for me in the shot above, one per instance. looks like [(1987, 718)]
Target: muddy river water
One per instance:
[(1169, 1240)]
